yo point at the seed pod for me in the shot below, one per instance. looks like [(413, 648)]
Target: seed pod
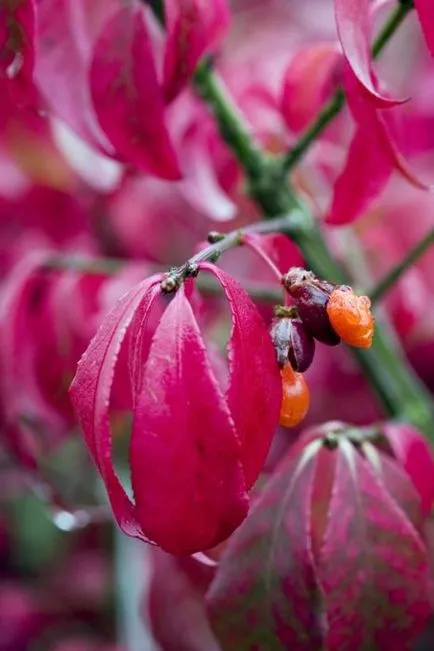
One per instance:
[(292, 343), (350, 317), (312, 302), (295, 397)]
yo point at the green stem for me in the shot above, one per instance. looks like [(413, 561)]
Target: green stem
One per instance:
[(222, 243), (337, 102), (378, 292), (231, 123)]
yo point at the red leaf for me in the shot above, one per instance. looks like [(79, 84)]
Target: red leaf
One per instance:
[(32, 423), (373, 566), (412, 451), (353, 23), (193, 28), (309, 80), (264, 595), (63, 54), (425, 11), (91, 389), (254, 393), (186, 473), (366, 171), (372, 157), (127, 97)]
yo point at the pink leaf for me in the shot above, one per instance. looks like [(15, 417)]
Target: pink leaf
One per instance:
[(397, 483), (372, 157), (91, 390), (425, 11), (264, 595), (353, 23), (412, 451), (254, 393), (309, 80), (186, 473), (31, 421), (193, 28), (201, 185), (176, 603), (373, 566), (62, 60), (366, 171), (127, 97)]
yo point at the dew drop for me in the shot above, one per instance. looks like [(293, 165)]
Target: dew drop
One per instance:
[(65, 520), (69, 521)]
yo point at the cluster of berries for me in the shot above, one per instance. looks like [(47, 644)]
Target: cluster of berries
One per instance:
[(324, 312)]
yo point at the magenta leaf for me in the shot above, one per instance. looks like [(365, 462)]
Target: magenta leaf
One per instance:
[(309, 80), (91, 390), (372, 157), (201, 184), (127, 96), (367, 169), (254, 392), (397, 483), (425, 11), (177, 611), (186, 472), (264, 595), (30, 424), (373, 567), (64, 47), (353, 23), (193, 28), (412, 452)]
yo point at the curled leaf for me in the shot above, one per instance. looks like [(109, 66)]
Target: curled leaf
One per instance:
[(373, 558), (193, 28), (373, 156), (254, 392), (186, 473), (91, 390), (309, 79), (265, 595), (127, 96), (425, 12), (353, 24)]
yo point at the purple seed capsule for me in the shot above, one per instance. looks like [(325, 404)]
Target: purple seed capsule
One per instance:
[(280, 335), (312, 308), (301, 346), (292, 343), (311, 296)]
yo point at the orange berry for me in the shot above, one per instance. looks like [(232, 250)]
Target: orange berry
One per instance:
[(295, 397), (350, 317)]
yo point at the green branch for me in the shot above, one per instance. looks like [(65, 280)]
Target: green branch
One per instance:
[(337, 102), (378, 292)]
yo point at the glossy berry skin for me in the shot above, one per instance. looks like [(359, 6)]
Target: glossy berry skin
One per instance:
[(311, 297), (295, 397), (292, 343), (351, 318)]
